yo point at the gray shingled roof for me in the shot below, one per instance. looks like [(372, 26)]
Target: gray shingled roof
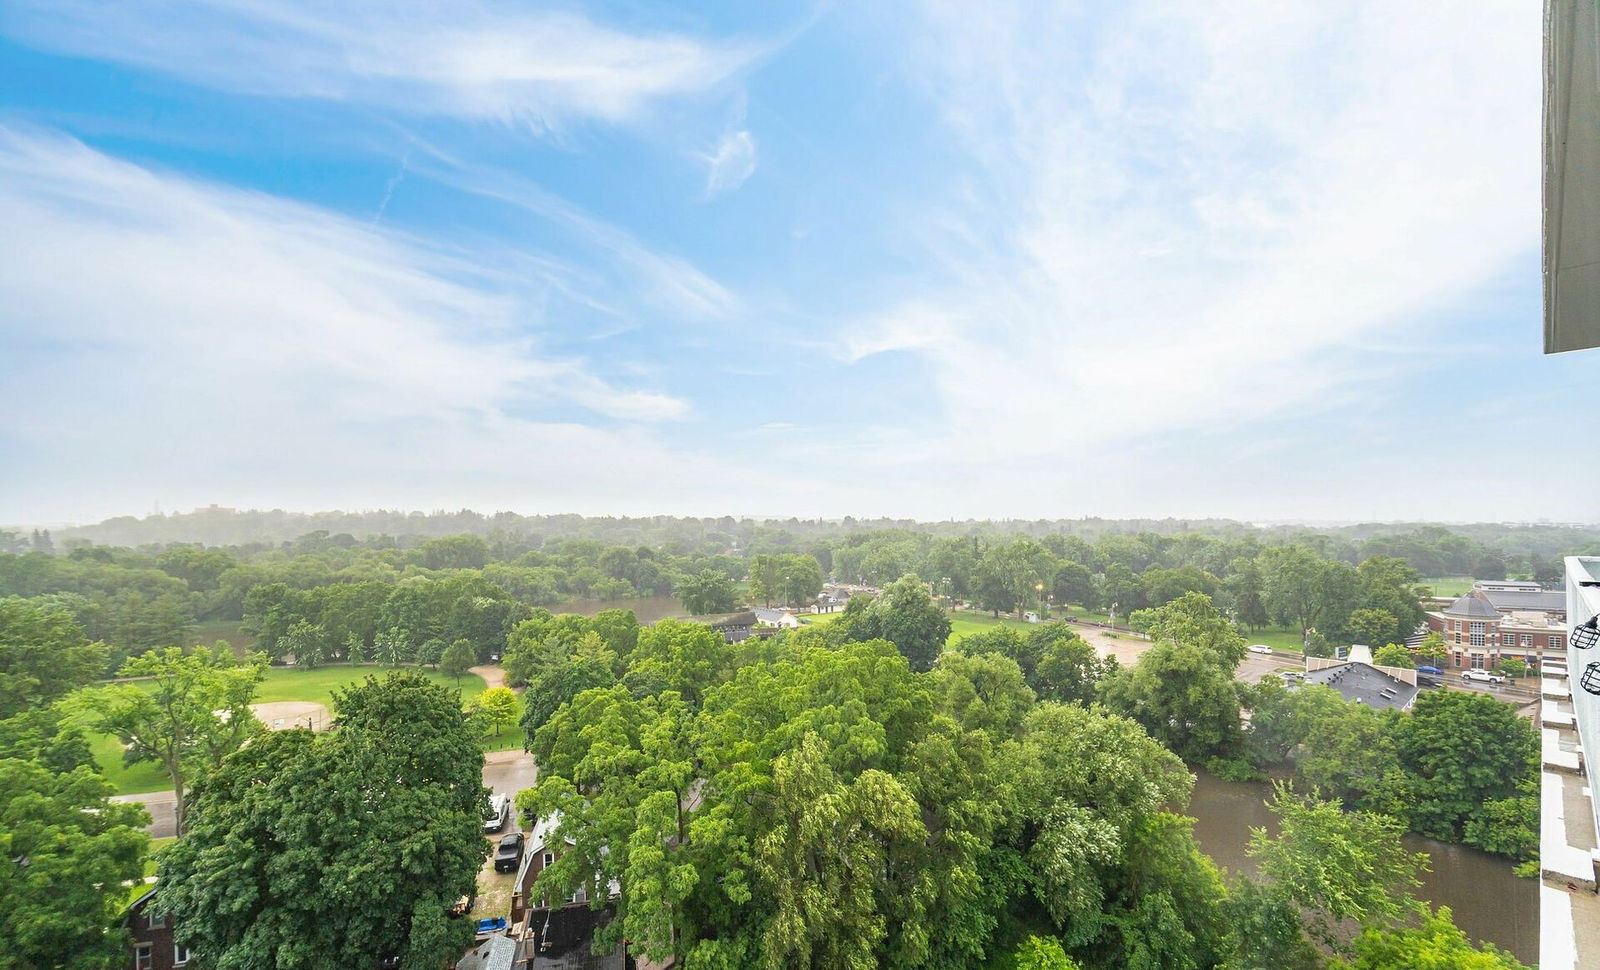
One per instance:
[(1549, 600), (1362, 684), (496, 953), (1475, 603)]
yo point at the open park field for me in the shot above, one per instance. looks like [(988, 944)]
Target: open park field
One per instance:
[(284, 685), (1448, 585)]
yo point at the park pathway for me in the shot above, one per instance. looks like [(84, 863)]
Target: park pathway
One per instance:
[(492, 676)]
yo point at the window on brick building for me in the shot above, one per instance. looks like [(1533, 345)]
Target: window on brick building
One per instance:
[(180, 955), (142, 959)]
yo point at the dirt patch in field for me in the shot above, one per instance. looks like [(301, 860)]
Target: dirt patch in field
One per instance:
[(1126, 647), (282, 715)]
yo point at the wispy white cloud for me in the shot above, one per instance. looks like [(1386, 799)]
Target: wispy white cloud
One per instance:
[(178, 340), (456, 57), (282, 307), (730, 163), (672, 281), (1180, 216)]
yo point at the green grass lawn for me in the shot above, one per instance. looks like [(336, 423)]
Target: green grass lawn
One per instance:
[(1277, 637), (156, 845), (965, 623), (1449, 585), (285, 684)]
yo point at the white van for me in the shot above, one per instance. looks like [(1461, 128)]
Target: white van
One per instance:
[(498, 815)]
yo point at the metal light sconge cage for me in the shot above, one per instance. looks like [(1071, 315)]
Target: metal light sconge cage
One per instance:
[(1586, 634), (1590, 681)]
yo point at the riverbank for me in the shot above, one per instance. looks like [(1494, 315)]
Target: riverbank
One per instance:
[(1488, 901)]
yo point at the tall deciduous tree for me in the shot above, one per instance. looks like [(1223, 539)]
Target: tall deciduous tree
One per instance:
[(905, 615), (193, 711), (1308, 590), (66, 852), (322, 852), (498, 706), (1372, 627), (458, 659), (309, 644), (1182, 697), (1342, 867), (707, 591), (43, 654), (1461, 751)]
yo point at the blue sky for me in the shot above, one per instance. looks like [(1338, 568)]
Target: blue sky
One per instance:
[(1259, 260)]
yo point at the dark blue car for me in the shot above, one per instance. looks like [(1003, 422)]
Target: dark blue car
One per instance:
[(1429, 670)]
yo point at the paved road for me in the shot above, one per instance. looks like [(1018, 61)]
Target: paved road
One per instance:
[(508, 772), (504, 772), (162, 806)]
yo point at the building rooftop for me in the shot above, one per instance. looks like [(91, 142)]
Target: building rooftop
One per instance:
[(1545, 600), (1361, 683), (498, 952), (1475, 603)]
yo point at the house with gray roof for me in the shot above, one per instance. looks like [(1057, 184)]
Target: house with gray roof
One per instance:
[(1360, 681)]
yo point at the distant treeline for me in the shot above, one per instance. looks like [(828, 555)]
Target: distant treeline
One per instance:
[(226, 527), (1345, 586)]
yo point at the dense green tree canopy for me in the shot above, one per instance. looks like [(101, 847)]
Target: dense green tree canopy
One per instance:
[(1461, 751), (1182, 697), (65, 852), (1343, 867), (333, 851), (43, 654), (707, 591), (1437, 944), (191, 712), (906, 616)]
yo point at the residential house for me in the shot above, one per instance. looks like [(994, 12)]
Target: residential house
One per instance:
[(558, 933), (776, 619), (153, 947)]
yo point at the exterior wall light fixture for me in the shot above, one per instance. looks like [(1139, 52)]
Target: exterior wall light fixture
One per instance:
[(1586, 634), (1590, 681)]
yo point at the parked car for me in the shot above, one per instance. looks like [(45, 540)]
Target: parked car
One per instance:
[(1482, 677), (1260, 648), (1434, 671), (509, 853), (497, 814)]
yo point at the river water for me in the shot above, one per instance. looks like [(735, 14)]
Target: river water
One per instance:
[(647, 609), (1488, 902)]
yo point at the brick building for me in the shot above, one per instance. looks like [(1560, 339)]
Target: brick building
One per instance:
[(1494, 623), (152, 947)]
